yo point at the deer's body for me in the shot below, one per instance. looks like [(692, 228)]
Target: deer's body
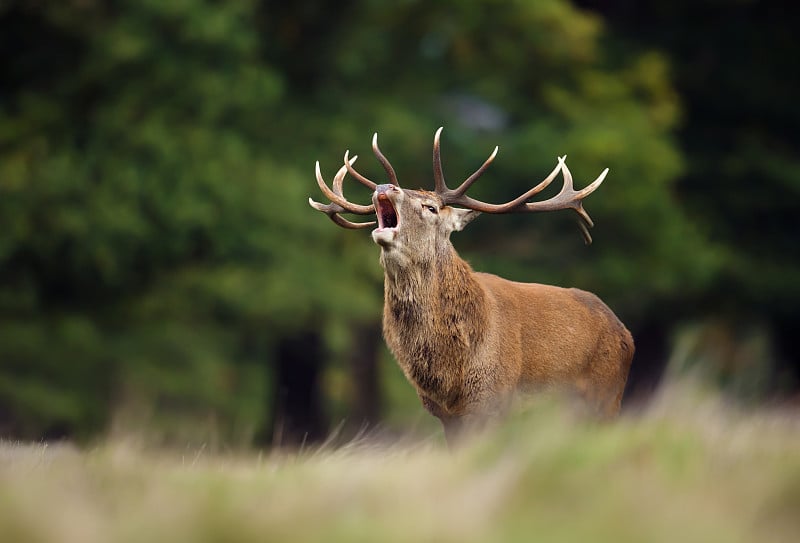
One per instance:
[(468, 341)]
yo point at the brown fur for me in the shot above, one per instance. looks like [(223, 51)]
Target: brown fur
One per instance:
[(469, 341)]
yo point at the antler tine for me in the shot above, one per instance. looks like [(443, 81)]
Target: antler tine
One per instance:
[(438, 174), (333, 210), (340, 204), (363, 180), (479, 172), (567, 197), (382, 159), (440, 187), (337, 197)]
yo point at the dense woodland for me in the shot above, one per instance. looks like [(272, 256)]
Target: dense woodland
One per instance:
[(160, 267)]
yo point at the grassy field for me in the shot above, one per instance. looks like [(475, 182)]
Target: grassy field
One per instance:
[(687, 469)]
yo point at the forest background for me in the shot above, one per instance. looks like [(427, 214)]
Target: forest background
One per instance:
[(161, 271)]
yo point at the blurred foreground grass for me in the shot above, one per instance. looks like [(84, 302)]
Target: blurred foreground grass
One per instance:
[(687, 469)]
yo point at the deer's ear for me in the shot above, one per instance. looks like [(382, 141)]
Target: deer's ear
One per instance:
[(459, 218)]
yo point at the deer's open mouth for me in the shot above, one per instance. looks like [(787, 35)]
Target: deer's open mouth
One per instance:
[(387, 214)]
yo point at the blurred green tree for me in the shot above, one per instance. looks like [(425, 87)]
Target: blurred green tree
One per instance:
[(159, 263), (155, 246)]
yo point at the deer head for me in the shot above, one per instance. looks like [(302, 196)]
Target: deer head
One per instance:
[(410, 220), (413, 225)]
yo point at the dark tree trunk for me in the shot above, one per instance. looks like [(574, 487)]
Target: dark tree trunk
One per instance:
[(787, 377), (298, 416), (365, 406), (649, 363)]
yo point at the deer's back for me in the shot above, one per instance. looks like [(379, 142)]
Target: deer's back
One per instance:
[(545, 334)]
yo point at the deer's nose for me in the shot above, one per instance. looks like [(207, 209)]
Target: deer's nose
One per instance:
[(381, 189)]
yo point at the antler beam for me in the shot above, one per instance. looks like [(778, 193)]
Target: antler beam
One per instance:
[(567, 198), (340, 204)]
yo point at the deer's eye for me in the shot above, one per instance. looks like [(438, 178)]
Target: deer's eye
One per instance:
[(432, 209)]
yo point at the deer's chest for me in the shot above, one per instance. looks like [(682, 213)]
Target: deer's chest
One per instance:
[(432, 354)]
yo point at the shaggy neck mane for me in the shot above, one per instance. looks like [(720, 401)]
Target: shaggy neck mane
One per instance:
[(435, 318), (442, 287)]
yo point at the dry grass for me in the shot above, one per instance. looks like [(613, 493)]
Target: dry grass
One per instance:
[(687, 470)]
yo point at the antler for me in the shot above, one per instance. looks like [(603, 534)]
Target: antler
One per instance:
[(567, 198), (382, 159), (340, 204)]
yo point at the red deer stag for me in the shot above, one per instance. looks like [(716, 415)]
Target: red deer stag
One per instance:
[(467, 341)]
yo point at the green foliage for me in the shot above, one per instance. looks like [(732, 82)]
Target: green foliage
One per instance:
[(156, 158), (154, 248)]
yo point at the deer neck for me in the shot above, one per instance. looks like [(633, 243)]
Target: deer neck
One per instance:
[(435, 319), (438, 285)]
